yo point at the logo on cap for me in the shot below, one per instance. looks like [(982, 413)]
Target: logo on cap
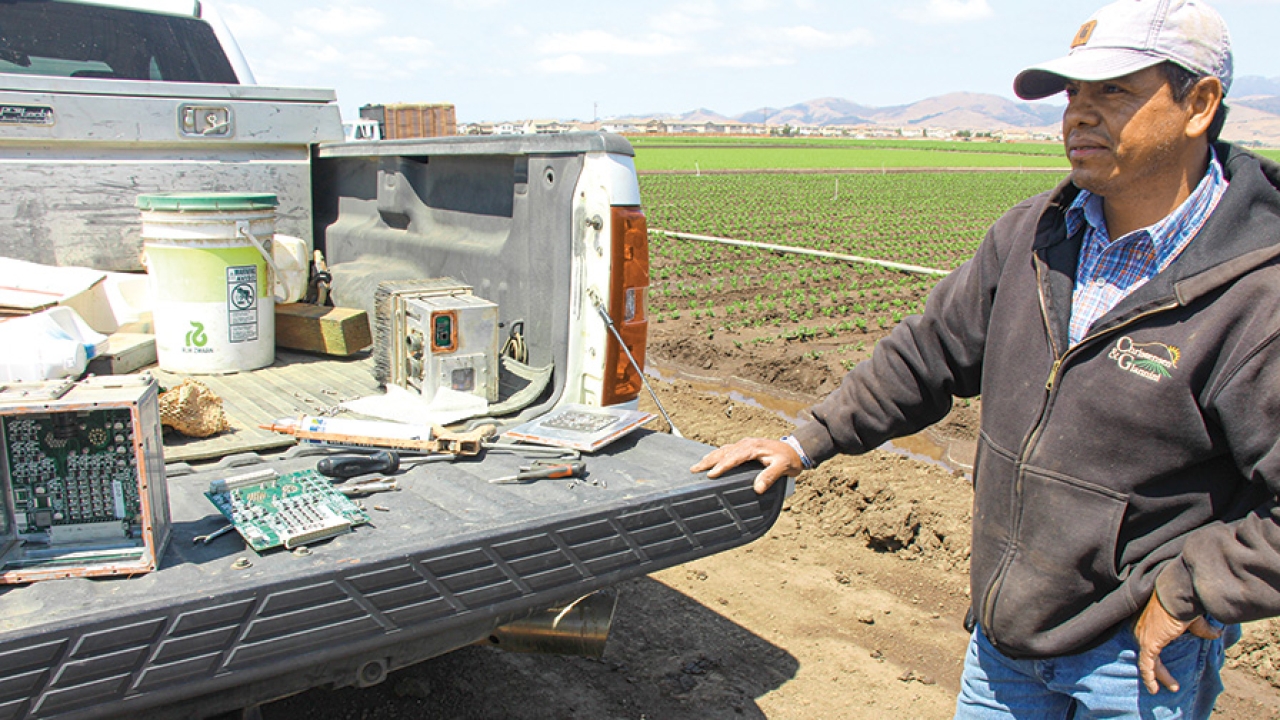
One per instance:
[(1083, 35)]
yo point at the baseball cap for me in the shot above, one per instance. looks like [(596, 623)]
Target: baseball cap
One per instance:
[(1131, 35)]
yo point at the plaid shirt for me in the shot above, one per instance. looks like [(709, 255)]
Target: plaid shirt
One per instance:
[(1109, 271)]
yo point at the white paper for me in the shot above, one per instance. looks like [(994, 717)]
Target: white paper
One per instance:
[(400, 405)]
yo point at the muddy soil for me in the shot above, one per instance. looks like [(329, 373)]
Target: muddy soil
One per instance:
[(851, 607)]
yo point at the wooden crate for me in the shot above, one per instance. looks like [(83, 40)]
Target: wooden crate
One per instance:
[(419, 120)]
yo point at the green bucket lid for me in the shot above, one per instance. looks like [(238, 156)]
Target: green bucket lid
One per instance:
[(206, 202)]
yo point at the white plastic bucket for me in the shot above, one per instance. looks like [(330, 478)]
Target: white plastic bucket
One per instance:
[(212, 279)]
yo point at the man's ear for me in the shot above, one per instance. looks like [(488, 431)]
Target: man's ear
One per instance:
[(1203, 102)]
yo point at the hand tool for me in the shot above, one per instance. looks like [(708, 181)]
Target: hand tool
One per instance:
[(543, 470), (359, 461), (441, 440), (531, 452), (369, 487), (206, 539), (349, 466)]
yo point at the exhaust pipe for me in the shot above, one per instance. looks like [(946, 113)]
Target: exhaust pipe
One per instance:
[(579, 628)]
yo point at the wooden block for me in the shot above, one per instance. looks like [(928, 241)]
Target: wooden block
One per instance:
[(328, 330), (124, 353)]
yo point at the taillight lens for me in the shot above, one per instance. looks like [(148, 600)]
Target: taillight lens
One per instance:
[(628, 300)]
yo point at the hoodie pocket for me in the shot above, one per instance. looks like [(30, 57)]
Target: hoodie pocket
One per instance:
[(1063, 556), (993, 513)]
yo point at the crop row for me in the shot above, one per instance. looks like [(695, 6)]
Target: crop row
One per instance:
[(756, 296), (931, 219), (696, 159), (645, 142)]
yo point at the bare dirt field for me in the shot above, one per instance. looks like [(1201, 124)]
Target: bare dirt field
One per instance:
[(851, 607)]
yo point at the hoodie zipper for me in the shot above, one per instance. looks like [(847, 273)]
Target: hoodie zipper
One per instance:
[(1033, 437)]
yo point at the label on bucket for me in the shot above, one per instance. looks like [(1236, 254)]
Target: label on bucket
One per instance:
[(242, 303), (213, 312)]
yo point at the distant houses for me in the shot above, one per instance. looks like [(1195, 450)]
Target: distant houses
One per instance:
[(669, 126)]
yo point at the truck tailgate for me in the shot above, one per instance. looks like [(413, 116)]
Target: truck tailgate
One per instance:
[(452, 557)]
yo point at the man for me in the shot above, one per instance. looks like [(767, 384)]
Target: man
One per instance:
[(1122, 331)]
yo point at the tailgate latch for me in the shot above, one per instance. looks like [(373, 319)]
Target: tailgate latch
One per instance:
[(204, 121)]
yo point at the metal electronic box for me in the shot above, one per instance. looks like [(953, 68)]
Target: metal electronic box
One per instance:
[(82, 483), (451, 341)]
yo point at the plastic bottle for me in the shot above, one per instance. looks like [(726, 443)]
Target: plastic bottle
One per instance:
[(48, 345), (293, 261)]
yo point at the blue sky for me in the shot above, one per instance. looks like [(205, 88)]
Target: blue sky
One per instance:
[(515, 59)]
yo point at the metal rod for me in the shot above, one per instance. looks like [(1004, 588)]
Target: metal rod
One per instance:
[(901, 267), (608, 321)]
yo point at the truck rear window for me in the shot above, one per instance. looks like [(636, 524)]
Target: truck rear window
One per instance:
[(67, 39)]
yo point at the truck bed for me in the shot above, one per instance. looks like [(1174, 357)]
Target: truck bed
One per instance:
[(295, 384), (451, 557)]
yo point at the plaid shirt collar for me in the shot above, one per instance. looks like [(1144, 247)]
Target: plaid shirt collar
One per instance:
[(1108, 271), (1175, 229)]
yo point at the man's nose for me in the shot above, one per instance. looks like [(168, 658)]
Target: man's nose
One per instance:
[(1080, 111)]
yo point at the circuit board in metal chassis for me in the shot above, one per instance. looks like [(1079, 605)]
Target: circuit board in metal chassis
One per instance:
[(270, 510), (82, 479)]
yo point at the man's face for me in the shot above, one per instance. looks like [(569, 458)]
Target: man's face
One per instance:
[(1126, 135)]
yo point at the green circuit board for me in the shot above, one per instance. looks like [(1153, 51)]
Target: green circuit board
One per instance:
[(292, 510), (73, 476)]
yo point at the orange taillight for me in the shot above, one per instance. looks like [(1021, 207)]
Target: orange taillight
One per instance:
[(628, 300)]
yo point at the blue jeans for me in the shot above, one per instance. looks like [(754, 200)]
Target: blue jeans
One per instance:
[(1098, 683)]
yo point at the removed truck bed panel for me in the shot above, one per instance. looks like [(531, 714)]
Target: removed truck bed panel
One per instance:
[(452, 558)]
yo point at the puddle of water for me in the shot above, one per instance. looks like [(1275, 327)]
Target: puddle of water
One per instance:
[(737, 390), (954, 456), (950, 455)]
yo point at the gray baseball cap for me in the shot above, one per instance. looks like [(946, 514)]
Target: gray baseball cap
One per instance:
[(1131, 35)]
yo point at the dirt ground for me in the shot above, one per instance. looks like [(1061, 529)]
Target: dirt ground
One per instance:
[(851, 607)]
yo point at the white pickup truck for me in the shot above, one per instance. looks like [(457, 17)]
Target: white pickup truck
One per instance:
[(103, 101)]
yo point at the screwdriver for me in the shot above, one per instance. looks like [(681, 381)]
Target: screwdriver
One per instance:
[(543, 471), (349, 466)]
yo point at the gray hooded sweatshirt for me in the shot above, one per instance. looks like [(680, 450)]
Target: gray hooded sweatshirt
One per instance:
[(1145, 458)]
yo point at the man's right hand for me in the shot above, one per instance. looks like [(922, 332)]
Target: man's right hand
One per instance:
[(779, 460)]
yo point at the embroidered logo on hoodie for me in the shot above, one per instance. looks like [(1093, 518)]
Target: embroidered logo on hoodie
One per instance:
[(1152, 361)]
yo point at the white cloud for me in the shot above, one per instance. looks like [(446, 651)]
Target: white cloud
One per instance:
[(948, 11), (569, 65), (744, 62), (248, 22), (599, 42), (410, 53), (805, 37), (407, 45), (781, 46), (755, 6), (693, 17), (305, 45), (342, 20), (327, 62)]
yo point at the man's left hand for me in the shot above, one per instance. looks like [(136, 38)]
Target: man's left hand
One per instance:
[(1155, 629)]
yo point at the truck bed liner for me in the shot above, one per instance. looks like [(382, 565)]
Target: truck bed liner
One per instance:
[(295, 384), (451, 558)]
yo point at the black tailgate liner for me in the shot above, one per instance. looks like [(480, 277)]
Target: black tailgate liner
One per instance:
[(452, 558)]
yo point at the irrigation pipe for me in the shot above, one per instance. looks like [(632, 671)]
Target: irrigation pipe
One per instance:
[(900, 267)]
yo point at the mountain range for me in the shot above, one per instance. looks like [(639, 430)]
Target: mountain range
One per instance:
[(1254, 117)]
